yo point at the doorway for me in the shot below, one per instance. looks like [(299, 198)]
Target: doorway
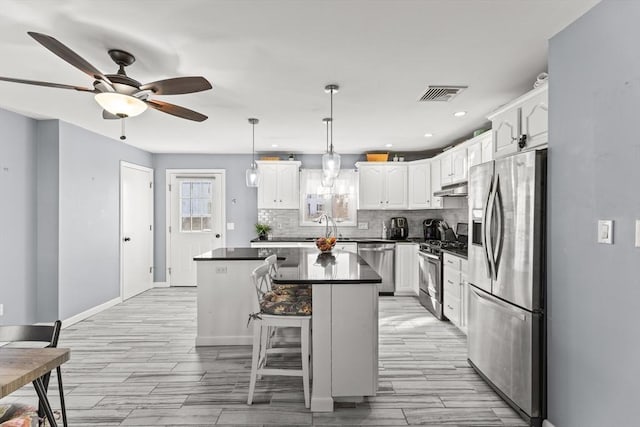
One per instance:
[(195, 219), (136, 229)]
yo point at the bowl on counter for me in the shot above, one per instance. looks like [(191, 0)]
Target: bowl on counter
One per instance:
[(325, 244)]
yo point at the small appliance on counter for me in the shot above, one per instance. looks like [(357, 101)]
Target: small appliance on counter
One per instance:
[(398, 228), (434, 229)]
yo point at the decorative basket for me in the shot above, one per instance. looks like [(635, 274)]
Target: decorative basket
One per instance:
[(377, 157)]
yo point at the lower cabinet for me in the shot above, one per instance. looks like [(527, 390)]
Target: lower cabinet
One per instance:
[(406, 266), (454, 278)]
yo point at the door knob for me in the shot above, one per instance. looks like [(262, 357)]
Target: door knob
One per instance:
[(126, 239), (217, 235)]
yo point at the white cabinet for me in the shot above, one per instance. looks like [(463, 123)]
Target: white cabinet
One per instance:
[(420, 185), (441, 202), (459, 166), (278, 184), (347, 247), (480, 149), (382, 186), (521, 124), (455, 290), (453, 166), (406, 264)]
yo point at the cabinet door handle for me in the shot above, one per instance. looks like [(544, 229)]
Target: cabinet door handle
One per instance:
[(275, 201), (280, 201), (450, 282), (387, 202), (450, 308)]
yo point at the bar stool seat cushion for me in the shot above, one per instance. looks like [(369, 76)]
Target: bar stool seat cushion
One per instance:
[(17, 415), (292, 289), (289, 301)]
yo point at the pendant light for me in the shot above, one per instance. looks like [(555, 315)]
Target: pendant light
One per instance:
[(327, 181), (331, 160), (252, 173)]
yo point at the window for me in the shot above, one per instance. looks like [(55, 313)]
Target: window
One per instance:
[(196, 205), (339, 201)]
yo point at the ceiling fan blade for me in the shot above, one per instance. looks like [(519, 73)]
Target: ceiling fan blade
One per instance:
[(68, 55), (176, 110), (47, 84), (108, 116), (178, 85)]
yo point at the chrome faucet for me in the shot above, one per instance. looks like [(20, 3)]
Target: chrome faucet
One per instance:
[(328, 222)]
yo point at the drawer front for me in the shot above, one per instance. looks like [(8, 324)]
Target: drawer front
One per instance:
[(452, 261), (451, 281), (451, 308)]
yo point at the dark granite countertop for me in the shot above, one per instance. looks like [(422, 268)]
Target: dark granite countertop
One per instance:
[(308, 266), (342, 239), (242, 254)]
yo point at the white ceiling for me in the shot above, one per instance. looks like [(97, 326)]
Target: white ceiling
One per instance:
[(271, 60)]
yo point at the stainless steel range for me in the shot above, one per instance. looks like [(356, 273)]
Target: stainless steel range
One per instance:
[(430, 278)]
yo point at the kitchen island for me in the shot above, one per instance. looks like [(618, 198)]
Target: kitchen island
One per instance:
[(345, 312)]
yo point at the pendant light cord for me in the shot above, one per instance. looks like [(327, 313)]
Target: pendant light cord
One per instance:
[(331, 116), (253, 145)]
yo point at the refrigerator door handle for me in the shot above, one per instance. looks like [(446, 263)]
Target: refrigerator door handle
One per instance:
[(483, 232), (489, 233), (499, 208), (496, 303)]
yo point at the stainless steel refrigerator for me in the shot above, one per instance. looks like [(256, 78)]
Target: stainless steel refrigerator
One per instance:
[(506, 323)]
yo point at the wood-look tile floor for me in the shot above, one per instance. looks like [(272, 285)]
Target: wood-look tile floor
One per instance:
[(135, 364)]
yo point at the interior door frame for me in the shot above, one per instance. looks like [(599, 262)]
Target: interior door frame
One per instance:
[(151, 201), (195, 173)]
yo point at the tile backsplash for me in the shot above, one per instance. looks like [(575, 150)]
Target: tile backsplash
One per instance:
[(286, 222)]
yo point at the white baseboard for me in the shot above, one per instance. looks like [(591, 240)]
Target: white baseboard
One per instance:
[(404, 294), (547, 423), (160, 285), (88, 313)]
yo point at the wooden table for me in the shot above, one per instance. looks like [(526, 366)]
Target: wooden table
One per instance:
[(20, 366)]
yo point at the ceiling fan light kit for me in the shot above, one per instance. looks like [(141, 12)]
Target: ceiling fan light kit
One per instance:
[(118, 94), (120, 104), (331, 159)]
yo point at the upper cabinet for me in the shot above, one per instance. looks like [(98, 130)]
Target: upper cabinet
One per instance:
[(278, 184), (453, 166), (420, 185), (480, 149), (521, 124), (382, 186)]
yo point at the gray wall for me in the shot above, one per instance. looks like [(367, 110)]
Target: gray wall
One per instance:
[(594, 158), (17, 218), (47, 211), (89, 246)]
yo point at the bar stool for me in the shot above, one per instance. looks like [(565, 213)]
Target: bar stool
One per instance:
[(279, 310)]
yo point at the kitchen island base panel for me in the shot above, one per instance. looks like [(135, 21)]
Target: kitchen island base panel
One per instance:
[(226, 297), (345, 362)]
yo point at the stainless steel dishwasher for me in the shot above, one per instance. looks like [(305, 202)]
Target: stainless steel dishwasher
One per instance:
[(381, 257)]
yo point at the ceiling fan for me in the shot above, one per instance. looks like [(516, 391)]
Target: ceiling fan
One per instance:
[(119, 95)]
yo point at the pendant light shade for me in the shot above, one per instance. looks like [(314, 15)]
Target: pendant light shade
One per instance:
[(331, 159), (327, 181), (252, 174)]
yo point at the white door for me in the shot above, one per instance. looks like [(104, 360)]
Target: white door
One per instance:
[(396, 188), (268, 186), (136, 198), (371, 187), (420, 186), (288, 187), (196, 212)]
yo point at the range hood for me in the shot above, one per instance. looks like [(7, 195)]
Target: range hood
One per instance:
[(454, 190)]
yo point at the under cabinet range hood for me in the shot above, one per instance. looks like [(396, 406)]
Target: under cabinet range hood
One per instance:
[(454, 190)]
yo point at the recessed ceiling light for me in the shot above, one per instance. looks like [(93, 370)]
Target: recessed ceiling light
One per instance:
[(428, 135), (274, 145), (460, 113), (388, 145)]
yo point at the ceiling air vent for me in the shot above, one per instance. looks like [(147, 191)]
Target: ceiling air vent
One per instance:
[(441, 93)]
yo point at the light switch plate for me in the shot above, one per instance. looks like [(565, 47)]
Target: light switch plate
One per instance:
[(637, 233), (605, 231), (231, 226)]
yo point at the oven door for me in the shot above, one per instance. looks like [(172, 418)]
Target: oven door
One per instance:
[(430, 275)]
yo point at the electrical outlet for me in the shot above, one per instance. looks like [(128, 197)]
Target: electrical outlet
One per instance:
[(221, 270), (363, 226)]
